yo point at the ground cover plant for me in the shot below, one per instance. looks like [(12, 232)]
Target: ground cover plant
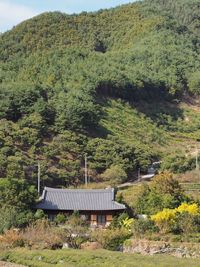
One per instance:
[(82, 258)]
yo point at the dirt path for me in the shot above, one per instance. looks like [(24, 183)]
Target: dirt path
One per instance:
[(7, 264)]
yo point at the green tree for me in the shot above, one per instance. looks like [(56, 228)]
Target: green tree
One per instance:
[(76, 110), (115, 175), (17, 193), (163, 192)]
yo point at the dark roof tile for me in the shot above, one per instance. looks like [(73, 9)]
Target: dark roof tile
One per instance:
[(79, 199)]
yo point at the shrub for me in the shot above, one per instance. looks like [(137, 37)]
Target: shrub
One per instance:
[(192, 209), (115, 175), (18, 193), (117, 220), (41, 235), (11, 217), (164, 220), (60, 219), (163, 192), (76, 231), (178, 163), (164, 183), (185, 219), (187, 223), (111, 239), (11, 238), (7, 218), (142, 226), (39, 215), (127, 223)]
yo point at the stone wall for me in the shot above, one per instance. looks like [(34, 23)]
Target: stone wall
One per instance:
[(147, 247)]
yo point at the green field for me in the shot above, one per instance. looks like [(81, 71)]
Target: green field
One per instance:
[(74, 258)]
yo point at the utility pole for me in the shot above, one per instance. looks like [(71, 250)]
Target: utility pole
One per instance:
[(39, 173), (86, 171)]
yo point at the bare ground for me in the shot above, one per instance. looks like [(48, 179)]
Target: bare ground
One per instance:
[(7, 264)]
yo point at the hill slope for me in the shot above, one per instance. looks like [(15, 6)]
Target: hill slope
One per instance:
[(111, 84)]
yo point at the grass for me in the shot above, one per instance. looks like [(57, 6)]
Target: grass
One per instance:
[(130, 194), (165, 127), (190, 186), (129, 125), (101, 258)]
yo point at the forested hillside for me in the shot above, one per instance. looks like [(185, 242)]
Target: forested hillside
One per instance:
[(121, 85)]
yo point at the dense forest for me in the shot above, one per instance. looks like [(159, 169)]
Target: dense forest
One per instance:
[(117, 84)]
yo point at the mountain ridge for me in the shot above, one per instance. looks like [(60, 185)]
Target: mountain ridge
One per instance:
[(90, 83)]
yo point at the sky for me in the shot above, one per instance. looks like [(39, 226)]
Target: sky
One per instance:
[(13, 12)]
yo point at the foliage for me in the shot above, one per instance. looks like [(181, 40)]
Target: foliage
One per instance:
[(111, 152), (142, 227), (18, 194), (60, 218), (82, 258), (12, 217), (17, 198), (41, 235), (187, 224), (165, 219), (76, 110), (76, 231), (111, 239), (178, 163), (127, 223), (166, 184), (194, 82), (192, 209), (122, 221), (130, 195), (185, 218), (39, 215), (163, 192), (71, 84), (115, 174), (11, 239)]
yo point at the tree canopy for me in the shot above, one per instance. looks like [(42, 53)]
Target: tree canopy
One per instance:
[(92, 83)]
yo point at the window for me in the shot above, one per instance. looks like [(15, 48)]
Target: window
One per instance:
[(101, 219)]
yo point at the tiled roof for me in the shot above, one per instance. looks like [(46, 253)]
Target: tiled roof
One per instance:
[(79, 199)]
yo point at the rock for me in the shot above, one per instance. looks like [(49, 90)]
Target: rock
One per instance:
[(65, 246), (39, 258), (147, 247)]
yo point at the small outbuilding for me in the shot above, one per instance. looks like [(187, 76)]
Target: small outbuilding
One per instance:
[(97, 206)]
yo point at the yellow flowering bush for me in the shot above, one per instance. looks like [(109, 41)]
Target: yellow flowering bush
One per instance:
[(192, 209), (164, 219), (167, 218), (127, 223)]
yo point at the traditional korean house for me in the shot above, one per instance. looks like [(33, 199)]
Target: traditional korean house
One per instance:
[(97, 206)]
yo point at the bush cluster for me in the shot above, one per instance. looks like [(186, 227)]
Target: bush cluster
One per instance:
[(111, 239), (184, 219)]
